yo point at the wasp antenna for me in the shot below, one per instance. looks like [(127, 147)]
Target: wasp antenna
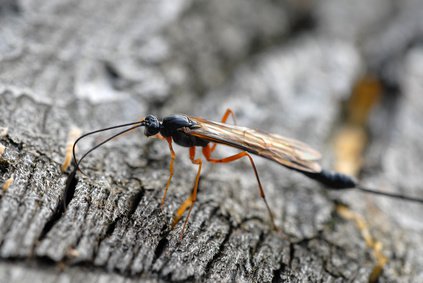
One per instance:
[(140, 123), (391, 195), (71, 180), (105, 141)]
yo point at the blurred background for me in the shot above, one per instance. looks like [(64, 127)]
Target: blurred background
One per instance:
[(342, 76)]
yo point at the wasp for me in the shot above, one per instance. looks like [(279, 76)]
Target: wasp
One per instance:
[(192, 132)]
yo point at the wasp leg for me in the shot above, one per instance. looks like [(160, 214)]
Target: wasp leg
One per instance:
[(171, 171), (207, 154), (224, 118), (226, 115), (189, 202), (159, 136)]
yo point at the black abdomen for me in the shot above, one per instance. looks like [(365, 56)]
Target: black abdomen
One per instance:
[(333, 180)]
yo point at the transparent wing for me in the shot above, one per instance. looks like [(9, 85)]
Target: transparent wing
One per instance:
[(287, 152)]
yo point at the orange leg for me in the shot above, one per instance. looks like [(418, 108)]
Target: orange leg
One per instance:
[(207, 153), (224, 118), (159, 136), (226, 115), (171, 171), (189, 202)]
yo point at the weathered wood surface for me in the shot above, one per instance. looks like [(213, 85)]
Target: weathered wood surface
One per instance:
[(284, 67)]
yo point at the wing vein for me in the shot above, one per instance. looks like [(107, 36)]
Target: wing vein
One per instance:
[(287, 152)]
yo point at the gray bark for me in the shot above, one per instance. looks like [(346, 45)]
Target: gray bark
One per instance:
[(283, 67)]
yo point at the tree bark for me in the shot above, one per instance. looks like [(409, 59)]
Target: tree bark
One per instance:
[(284, 68)]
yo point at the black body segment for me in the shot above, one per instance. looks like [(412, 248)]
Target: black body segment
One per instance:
[(185, 140), (172, 123), (173, 126), (333, 180), (152, 125)]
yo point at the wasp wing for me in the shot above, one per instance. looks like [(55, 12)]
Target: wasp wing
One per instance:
[(287, 152)]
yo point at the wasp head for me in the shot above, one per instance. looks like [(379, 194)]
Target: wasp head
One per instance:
[(152, 125)]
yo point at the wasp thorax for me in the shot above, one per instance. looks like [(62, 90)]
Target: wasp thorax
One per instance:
[(152, 125)]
